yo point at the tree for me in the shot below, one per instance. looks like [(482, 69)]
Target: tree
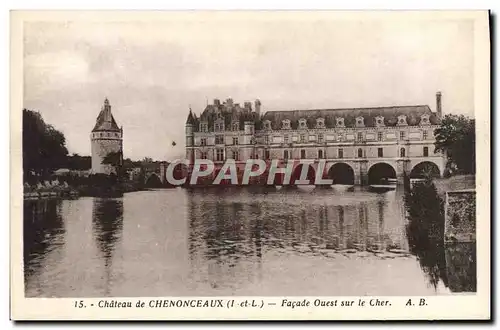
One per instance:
[(44, 147), (114, 159), (456, 137), (77, 162)]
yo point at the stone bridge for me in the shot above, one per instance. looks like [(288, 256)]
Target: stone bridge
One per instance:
[(356, 171)]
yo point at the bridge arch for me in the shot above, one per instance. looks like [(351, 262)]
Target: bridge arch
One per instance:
[(341, 173), (378, 173), (153, 181), (425, 169)]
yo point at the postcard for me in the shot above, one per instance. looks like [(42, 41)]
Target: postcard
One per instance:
[(250, 165)]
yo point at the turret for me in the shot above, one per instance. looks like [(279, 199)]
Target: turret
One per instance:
[(190, 129), (257, 107), (190, 122), (106, 138)]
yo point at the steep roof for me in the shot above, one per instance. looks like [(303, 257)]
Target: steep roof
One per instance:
[(105, 120), (190, 118), (390, 114)]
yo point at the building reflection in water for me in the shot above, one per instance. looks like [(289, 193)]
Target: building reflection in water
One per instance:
[(107, 226), (233, 234), (43, 231)]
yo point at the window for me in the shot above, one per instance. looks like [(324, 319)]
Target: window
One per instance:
[(380, 136), (341, 153), (219, 155), (321, 138), (424, 135), (235, 140), (286, 138), (320, 154), (426, 151), (203, 141), (360, 152), (266, 139), (402, 152), (302, 138), (302, 154), (380, 152), (236, 155), (285, 124), (203, 155), (285, 154), (360, 136), (267, 154), (219, 139), (402, 135), (203, 127), (302, 123), (236, 127)]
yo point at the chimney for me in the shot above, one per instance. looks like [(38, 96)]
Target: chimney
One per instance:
[(248, 106), (438, 104), (257, 106), (216, 102)]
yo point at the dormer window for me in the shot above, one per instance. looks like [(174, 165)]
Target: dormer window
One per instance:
[(285, 124), (402, 120), (235, 126), (424, 119), (219, 125), (320, 123), (339, 122), (302, 123), (267, 124), (360, 122), (379, 121), (203, 127)]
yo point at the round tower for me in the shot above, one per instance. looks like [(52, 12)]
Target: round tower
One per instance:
[(106, 142), (190, 137)]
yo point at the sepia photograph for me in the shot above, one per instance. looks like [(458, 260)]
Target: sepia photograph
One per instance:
[(302, 160)]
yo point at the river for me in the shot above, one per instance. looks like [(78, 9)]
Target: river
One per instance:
[(232, 241)]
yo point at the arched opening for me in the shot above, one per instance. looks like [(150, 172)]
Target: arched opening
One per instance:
[(311, 174), (153, 181), (341, 173), (380, 173), (425, 170)]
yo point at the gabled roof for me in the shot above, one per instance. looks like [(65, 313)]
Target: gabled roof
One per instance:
[(105, 120), (390, 114)]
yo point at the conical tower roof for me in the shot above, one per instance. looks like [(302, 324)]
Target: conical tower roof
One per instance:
[(190, 118), (105, 121)]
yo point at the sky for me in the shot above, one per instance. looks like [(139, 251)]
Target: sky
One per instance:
[(153, 70)]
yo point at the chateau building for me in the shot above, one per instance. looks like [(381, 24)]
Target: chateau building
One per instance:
[(106, 138), (359, 145)]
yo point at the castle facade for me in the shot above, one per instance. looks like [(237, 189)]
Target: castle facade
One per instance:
[(360, 145)]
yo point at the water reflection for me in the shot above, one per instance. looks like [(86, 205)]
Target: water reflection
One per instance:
[(43, 232), (107, 226), (453, 264), (238, 242)]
